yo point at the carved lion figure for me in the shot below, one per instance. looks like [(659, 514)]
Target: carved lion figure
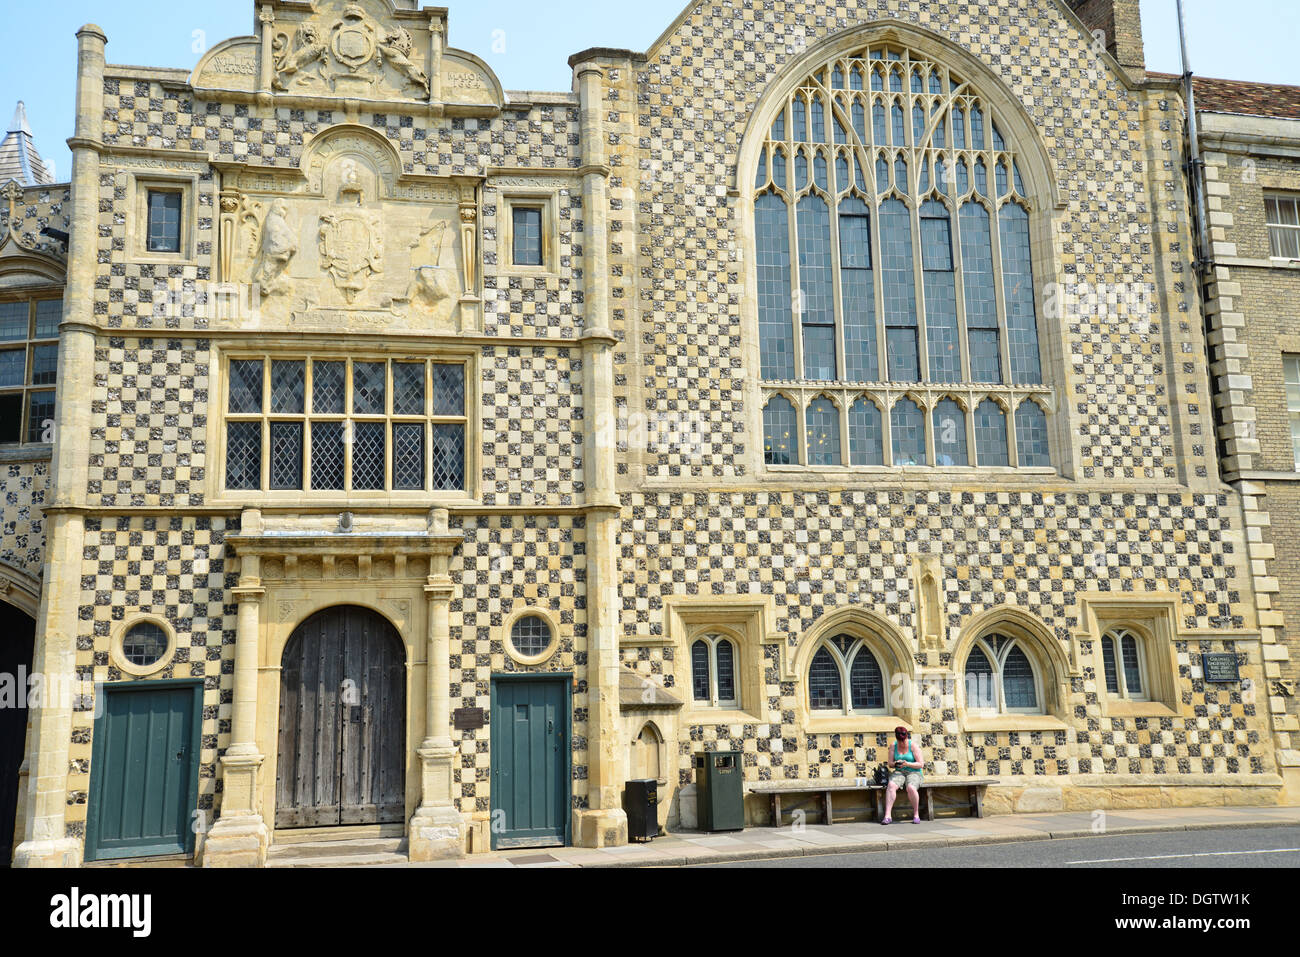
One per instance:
[(310, 48)]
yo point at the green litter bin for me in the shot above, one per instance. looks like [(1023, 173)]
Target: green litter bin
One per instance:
[(718, 790)]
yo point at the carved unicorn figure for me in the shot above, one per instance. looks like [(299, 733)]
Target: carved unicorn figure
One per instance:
[(396, 48)]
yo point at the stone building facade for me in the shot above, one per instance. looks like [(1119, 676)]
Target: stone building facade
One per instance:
[(1251, 138), (441, 457)]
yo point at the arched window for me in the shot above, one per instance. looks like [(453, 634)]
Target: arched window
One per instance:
[(845, 676), (990, 433), (866, 444), (1001, 676), (892, 228), (780, 436), (1031, 436), (823, 433), (950, 434), (1124, 665), (908, 426), (713, 672)]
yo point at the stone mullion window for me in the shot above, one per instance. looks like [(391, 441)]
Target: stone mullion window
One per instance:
[(29, 354), (913, 145), (347, 441)]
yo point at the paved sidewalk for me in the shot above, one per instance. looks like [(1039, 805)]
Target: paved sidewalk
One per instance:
[(757, 843)]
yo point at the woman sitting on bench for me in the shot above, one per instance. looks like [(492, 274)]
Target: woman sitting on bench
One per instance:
[(906, 764)]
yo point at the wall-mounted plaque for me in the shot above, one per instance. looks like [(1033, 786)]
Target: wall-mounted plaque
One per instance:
[(1220, 668), (468, 719)]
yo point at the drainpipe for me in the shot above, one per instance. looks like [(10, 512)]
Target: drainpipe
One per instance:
[(1195, 163)]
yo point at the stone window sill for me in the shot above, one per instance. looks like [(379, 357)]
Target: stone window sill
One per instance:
[(1013, 722)]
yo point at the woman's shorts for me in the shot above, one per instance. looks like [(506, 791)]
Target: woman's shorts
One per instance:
[(912, 779)]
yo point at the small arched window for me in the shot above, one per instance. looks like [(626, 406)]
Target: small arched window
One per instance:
[(1001, 676), (845, 676), (1124, 665), (713, 672), (893, 246), (780, 438)]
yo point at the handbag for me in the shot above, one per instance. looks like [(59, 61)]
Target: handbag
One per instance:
[(882, 775)]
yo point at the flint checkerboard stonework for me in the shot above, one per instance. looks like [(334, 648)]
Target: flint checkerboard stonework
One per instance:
[(618, 481)]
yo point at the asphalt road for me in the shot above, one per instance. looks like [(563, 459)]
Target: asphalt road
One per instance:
[(1224, 847)]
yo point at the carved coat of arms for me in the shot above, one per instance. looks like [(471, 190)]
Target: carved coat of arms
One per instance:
[(351, 249)]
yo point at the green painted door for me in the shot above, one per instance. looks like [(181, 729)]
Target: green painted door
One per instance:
[(530, 761), (144, 770)]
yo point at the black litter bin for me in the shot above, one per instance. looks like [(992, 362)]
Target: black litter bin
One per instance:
[(641, 803), (718, 790)]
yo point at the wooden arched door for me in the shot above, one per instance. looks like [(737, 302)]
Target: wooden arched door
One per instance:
[(342, 748), (17, 636)]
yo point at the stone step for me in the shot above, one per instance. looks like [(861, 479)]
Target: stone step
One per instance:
[(355, 853)]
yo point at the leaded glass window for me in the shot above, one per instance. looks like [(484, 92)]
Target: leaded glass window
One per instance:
[(825, 686), (1124, 665), (950, 434), (893, 248), (164, 221), (531, 636), (345, 425), (866, 437), (29, 365), (713, 671), (823, 433), (526, 235), (908, 426), (780, 439), (845, 675), (1031, 436), (1000, 676), (144, 644), (990, 433)]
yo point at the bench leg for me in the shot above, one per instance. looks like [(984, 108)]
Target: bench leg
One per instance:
[(976, 802), (826, 801), (927, 800), (776, 807)]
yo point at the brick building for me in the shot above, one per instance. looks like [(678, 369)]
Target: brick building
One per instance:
[(442, 457)]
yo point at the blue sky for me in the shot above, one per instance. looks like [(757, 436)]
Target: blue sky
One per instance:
[(528, 42)]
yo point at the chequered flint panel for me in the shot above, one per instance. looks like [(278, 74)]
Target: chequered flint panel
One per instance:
[(532, 411), (39, 208), (22, 524), (508, 563), (817, 552), (177, 569), (148, 442)]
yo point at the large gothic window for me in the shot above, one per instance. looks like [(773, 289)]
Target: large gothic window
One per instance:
[(895, 281)]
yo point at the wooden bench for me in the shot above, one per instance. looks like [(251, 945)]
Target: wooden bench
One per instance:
[(776, 790)]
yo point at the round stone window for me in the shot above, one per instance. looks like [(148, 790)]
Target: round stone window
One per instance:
[(531, 637), (144, 645)]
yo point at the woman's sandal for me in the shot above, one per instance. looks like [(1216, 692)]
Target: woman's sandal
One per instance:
[(888, 820), (916, 820)]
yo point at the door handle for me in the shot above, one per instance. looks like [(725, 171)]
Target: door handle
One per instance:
[(180, 755)]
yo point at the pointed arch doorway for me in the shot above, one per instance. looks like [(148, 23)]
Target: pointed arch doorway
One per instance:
[(342, 730)]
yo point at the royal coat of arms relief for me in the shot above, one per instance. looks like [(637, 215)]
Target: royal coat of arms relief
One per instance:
[(349, 243), (349, 55)]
